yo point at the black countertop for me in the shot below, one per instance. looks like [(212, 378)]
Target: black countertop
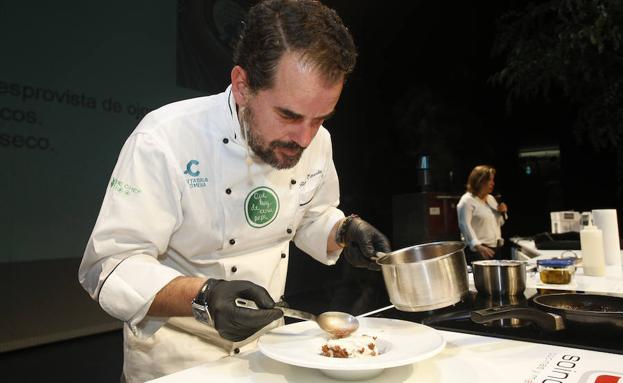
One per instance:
[(368, 293), (457, 318)]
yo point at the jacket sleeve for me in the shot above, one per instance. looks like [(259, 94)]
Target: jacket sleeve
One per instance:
[(465, 211), (322, 213), (140, 211)]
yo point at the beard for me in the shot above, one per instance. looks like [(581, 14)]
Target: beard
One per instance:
[(267, 152)]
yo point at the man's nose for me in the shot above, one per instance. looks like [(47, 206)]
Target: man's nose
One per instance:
[(303, 134)]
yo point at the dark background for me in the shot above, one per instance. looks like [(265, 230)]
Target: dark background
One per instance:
[(422, 87)]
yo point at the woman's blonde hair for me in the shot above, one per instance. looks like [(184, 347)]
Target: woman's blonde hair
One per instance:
[(479, 176)]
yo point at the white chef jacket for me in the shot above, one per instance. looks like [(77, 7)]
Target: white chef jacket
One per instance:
[(479, 222), (188, 197)]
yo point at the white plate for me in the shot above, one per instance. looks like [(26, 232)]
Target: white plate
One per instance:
[(399, 342)]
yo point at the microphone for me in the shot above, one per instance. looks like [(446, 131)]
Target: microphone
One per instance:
[(498, 198)]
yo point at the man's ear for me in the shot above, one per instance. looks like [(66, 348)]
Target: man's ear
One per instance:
[(240, 85)]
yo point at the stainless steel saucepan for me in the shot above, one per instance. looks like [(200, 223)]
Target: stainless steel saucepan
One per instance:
[(425, 277), (499, 277)]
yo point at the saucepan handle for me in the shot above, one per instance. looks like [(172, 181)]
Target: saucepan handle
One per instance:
[(545, 320), (450, 316)]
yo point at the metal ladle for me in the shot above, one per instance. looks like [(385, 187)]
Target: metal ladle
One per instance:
[(335, 323)]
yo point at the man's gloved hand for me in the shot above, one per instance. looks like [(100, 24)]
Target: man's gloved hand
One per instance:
[(237, 323), (362, 241)]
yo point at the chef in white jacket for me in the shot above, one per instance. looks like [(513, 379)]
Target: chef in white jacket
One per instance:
[(207, 193)]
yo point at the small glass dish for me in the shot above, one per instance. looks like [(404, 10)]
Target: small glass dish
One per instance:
[(558, 271)]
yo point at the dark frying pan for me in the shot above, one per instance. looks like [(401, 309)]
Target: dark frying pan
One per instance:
[(555, 311)]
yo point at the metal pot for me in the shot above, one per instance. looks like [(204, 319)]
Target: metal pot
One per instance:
[(425, 277), (499, 277)]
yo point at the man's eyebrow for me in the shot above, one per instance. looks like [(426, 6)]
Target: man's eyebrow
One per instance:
[(293, 115), (288, 113)]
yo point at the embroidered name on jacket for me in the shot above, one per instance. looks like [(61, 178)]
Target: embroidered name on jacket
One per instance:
[(309, 177), (261, 207)]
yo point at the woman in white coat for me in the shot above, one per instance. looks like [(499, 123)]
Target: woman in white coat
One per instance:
[(481, 216), (208, 193)]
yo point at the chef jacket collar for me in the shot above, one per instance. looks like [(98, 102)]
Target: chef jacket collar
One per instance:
[(236, 129)]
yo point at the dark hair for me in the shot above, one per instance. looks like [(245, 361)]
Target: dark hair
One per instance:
[(274, 27), (480, 175)]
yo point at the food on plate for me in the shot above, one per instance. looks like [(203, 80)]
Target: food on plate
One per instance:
[(354, 346)]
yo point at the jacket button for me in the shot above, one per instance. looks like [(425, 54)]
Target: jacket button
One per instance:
[(236, 350), (232, 241), (289, 231), (228, 191), (234, 269), (225, 140), (283, 255), (293, 182)]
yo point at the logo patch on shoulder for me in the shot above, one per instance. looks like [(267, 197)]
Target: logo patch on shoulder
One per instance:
[(261, 206)]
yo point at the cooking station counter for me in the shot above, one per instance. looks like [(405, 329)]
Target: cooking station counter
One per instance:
[(493, 352), (591, 337), (457, 318), (466, 358), (473, 353), (578, 334)]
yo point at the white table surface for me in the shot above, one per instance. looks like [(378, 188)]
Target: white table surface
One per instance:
[(466, 358)]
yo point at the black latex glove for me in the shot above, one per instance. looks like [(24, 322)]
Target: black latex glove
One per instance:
[(362, 243), (237, 323)]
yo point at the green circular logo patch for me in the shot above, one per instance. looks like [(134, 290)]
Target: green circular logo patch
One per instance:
[(261, 206)]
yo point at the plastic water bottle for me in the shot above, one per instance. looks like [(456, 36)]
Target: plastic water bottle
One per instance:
[(593, 257)]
